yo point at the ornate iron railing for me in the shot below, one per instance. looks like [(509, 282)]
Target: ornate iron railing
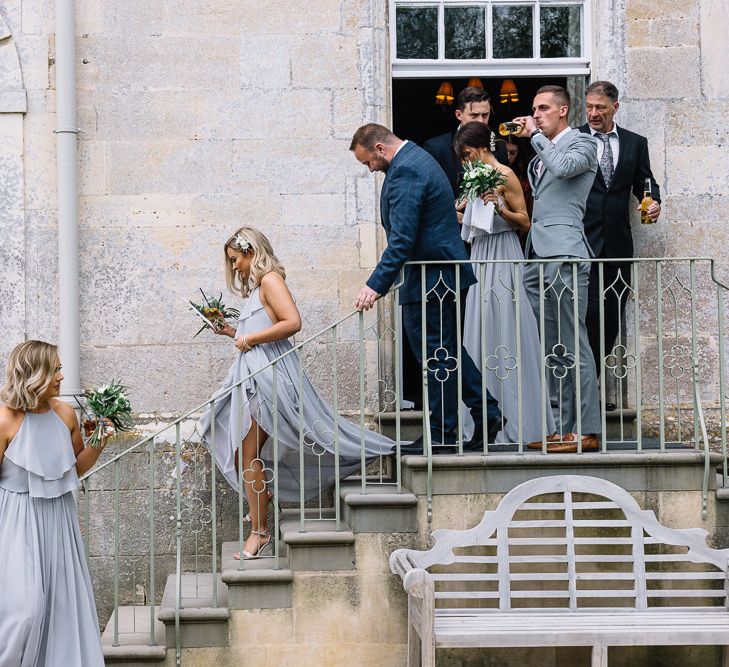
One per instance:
[(666, 372)]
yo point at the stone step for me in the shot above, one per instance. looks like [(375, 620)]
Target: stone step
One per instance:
[(321, 546), (379, 508), (259, 583), (201, 623), (620, 424), (135, 647)]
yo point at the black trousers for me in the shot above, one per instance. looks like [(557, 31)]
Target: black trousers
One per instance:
[(616, 288)]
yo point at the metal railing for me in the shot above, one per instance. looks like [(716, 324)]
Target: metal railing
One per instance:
[(666, 370)]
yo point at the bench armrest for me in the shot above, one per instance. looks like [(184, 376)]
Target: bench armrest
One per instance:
[(419, 584)]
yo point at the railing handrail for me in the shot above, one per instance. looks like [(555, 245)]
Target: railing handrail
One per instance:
[(218, 395)]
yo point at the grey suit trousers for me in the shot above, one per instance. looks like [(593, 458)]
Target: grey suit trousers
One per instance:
[(559, 342)]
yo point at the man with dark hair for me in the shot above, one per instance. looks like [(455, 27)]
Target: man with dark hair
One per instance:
[(561, 176), (624, 167), (472, 105), (417, 212)]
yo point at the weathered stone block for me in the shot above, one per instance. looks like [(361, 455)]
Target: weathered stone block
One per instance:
[(319, 210), (167, 166), (157, 62), (39, 159), (266, 166), (265, 62), (638, 32), (336, 57), (695, 169), (714, 25), (668, 8), (33, 53), (670, 32), (664, 73)]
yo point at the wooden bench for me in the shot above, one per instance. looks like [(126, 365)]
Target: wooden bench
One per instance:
[(565, 560)]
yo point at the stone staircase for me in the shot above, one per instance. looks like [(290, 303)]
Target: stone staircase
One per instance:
[(320, 552)]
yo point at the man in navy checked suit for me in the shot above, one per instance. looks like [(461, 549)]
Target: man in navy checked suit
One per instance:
[(417, 212)]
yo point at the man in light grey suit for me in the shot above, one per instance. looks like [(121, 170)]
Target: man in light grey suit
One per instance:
[(561, 176)]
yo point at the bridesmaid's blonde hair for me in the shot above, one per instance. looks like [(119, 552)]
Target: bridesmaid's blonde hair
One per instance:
[(245, 240), (31, 368)]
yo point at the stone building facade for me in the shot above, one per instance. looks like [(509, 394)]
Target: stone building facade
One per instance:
[(197, 117)]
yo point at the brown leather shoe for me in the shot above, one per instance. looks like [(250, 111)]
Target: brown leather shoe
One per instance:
[(590, 443), (553, 440)]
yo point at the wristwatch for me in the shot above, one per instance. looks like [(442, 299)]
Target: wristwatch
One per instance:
[(537, 131)]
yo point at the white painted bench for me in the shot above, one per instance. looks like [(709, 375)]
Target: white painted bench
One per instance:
[(582, 565)]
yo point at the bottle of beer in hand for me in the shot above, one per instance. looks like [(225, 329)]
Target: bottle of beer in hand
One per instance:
[(645, 203), (505, 129)]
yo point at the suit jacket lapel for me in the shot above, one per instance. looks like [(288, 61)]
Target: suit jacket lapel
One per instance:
[(624, 140)]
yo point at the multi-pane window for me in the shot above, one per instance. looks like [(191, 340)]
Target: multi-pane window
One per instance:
[(553, 33)]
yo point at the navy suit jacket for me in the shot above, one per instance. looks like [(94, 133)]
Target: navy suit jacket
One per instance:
[(441, 148), (417, 212), (607, 215)]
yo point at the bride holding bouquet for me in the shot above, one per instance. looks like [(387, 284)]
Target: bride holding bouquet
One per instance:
[(268, 318), (495, 213)]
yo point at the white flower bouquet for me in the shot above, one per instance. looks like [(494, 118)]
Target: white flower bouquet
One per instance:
[(479, 179), (108, 404)]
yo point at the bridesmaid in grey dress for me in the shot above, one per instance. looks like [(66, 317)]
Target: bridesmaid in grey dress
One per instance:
[(268, 318), (492, 302), (47, 611)]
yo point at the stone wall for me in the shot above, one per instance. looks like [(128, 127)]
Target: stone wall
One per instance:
[(194, 120)]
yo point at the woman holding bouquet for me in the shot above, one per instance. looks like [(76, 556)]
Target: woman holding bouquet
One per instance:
[(47, 611), (268, 318), (492, 302)]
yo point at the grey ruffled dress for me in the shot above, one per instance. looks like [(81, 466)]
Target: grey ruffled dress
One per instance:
[(47, 611), (492, 305), (319, 421)]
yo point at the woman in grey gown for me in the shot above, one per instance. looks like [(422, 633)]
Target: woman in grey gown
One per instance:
[(491, 304), (268, 318), (47, 611)]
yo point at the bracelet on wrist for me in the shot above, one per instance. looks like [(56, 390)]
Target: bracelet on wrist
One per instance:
[(533, 134), (246, 343)]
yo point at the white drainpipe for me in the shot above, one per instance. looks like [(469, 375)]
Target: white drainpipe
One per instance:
[(66, 141)]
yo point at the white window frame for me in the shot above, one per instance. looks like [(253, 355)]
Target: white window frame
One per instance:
[(513, 67)]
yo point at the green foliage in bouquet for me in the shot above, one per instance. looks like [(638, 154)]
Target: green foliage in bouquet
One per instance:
[(478, 179), (214, 310), (111, 402)]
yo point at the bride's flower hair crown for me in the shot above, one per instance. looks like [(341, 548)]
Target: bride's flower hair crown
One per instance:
[(263, 261), (241, 244)]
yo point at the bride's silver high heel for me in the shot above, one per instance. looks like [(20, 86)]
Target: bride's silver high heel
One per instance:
[(262, 546)]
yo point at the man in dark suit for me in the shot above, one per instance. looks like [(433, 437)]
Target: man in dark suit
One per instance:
[(472, 105), (417, 212), (624, 166)]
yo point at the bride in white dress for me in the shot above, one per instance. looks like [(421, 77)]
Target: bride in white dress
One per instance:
[(268, 318), (491, 303)]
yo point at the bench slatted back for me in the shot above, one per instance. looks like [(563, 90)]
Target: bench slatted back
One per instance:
[(570, 541)]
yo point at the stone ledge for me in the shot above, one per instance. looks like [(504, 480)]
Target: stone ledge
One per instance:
[(379, 508), (195, 614), (134, 654), (325, 533), (499, 473), (259, 585), (322, 547), (608, 459)]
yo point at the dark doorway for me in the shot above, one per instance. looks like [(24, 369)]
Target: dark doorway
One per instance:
[(417, 117)]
